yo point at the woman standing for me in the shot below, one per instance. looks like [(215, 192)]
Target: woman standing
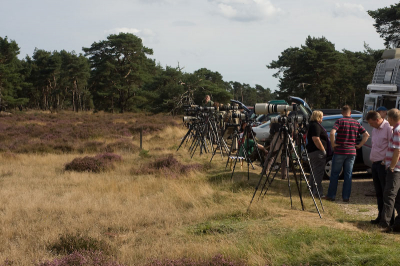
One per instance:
[(318, 143)]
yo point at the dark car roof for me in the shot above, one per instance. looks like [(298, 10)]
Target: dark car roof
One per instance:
[(336, 111)]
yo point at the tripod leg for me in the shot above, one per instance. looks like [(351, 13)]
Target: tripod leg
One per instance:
[(297, 183), (304, 176), (312, 174), (285, 157)]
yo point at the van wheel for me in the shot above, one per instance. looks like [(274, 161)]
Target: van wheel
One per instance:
[(328, 169)]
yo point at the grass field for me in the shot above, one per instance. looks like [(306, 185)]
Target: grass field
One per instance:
[(187, 212)]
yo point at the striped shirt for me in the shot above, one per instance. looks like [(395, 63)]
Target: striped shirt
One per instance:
[(394, 143), (347, 130)]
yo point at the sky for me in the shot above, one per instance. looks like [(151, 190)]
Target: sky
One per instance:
[(237, 38)]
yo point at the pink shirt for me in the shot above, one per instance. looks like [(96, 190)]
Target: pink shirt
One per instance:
[(380, 141)]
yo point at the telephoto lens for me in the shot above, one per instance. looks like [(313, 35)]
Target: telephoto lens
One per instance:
[(188, 119), (279, 119), (265, 108)]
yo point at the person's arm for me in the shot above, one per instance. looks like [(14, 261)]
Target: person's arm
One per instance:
[(395, 159), (364, 139), (318, 143), (332, 138)]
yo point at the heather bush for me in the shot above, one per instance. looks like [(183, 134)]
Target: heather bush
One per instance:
[(217, 260), (79, 258), (69, 243), (94, 164), (167, 166)]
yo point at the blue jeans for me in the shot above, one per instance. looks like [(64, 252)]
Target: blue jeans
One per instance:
[(339, 161)]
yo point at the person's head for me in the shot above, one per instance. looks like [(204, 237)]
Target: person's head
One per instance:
[(346, 110), (316, 116), (207, 98), (382, 110), (393, 116), (374, 119)]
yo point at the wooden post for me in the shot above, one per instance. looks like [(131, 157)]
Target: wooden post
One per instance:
[(141, 138)]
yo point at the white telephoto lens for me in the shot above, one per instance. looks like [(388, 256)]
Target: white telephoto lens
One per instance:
[(260, 108), (275, 119)]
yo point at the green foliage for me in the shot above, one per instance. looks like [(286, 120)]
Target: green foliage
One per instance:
[(323, 76), (144, 153), (120, 68), (387, 24), (11, 78)]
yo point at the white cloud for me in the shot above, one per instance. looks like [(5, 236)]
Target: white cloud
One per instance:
[(227, 11), (246, 10), (349, 9)]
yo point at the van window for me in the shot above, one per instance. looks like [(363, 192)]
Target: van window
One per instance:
[(388, 77), (369, 104)]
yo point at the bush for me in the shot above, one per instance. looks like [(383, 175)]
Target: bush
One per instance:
[(70, 243), (95, 164), (168, 166), (87, 258)]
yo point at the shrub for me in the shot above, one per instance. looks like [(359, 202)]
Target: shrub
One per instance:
[(69, 243), (95, 164), (168, 166), (87, 258)]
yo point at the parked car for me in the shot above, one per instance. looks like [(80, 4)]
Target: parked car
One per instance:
[(328, 123), (336, 111), (262, 119)]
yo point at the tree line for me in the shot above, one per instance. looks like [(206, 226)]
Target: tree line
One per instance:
[(114, 75), (117, 75)]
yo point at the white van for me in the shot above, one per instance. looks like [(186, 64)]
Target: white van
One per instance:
[(383, 91)]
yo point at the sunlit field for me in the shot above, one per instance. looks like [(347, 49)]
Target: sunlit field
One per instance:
[(78, 186)]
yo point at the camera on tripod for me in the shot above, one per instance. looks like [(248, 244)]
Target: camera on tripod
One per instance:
[(241, 116), (190, 119), (229, 108)]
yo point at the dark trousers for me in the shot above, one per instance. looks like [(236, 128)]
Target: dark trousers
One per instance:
[(379, 178), (391, 199)]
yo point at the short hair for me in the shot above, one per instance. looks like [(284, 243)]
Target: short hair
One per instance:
[(316, 115), (346, 109), (394, 114), (373, 115)]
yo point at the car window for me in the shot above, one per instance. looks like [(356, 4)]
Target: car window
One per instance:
[(329, 123)]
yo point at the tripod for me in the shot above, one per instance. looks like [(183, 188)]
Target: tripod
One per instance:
[(286, 148), (248, 135)]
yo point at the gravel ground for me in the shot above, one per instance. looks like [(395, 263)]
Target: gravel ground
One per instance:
[(361, 203)]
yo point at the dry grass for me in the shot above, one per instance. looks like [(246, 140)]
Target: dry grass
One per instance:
[(146, 217)]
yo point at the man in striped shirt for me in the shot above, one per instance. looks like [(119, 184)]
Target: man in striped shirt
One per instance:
[(344, 155), (391, 197)]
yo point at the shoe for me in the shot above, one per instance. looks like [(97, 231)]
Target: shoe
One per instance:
[(327, 198), (383, 225), (345, 200), (387, 229), (376, 221), (396, 228)]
